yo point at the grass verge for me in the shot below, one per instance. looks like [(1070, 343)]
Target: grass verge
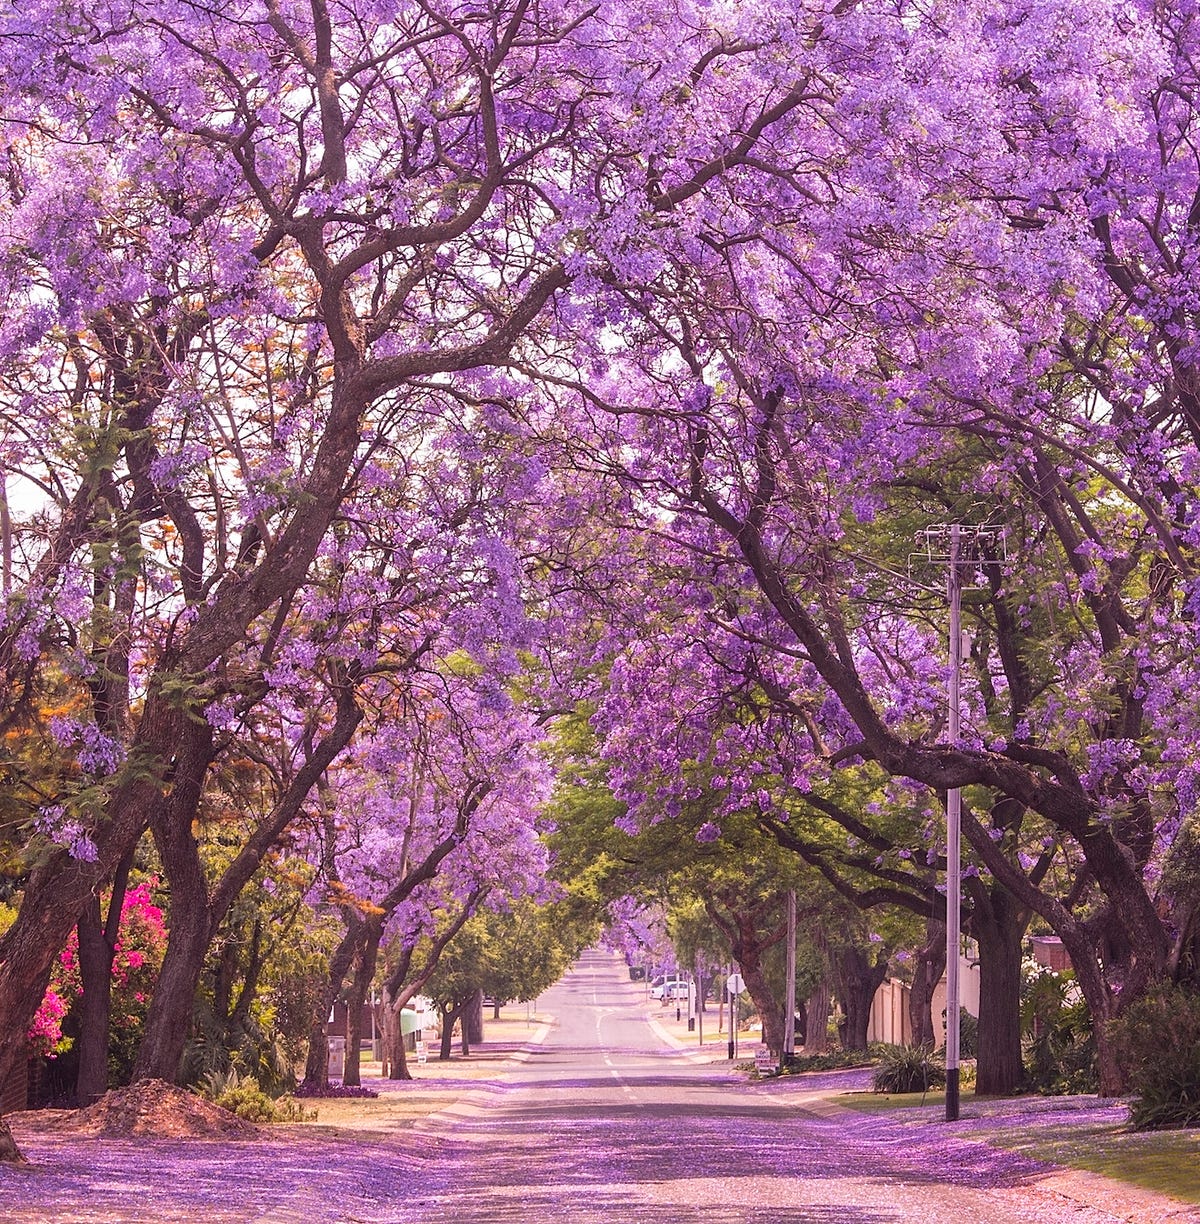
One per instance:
[(1162, 1161), (1165, 1162)]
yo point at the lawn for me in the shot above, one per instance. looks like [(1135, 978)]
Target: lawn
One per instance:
[(1075, 1133)]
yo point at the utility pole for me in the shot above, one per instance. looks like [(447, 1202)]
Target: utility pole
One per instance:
[(964, 541), (953, 835), (788, 1053)]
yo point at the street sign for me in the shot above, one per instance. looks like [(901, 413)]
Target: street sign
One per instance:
[(734, 984)]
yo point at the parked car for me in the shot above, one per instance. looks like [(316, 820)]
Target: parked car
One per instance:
[(674, 989)]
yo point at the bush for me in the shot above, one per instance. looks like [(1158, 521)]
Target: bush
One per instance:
[(1059, 1045), (836, 1059), (968, 1034), (248, 1101), (243, 1096), (1157, 1043), (908, 1068)]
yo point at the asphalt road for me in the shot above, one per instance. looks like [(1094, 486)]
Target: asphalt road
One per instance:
[(604, 1123)]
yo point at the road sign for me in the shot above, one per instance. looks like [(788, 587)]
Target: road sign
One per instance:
[(734, 984)]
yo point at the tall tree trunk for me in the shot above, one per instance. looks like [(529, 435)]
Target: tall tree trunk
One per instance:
[(97, 947), (94, 1008), (450, 1013), (394, 1054), (927, 973), (998, 924), (316, 1066), (169, 1020), (764, 1000), (816, 1026), (473, 1020), (859, 977), (747, 943), (818, 1003), (360, 983)]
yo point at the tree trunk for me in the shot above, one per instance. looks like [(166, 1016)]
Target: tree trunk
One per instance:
[(394, 1057), (94, 1006), (364, 972), (316, 1065), (97, 947), (473, 1020), (400, 1069), (998, 924), (747, 943), (764, 999), (449, 1014), (927, 973), (9, 1152), (1085, 960), (816, 1027), (859, 977), (169, 1020), (352, 1072)]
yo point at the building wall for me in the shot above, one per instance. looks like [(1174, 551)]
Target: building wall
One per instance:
[(889, 1009), (14, 1093)]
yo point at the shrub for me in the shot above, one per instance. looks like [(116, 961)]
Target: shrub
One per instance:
[(1157, 1043), (968, 1034), (908, 1068), (243, 1096), (1059, 1045), (248, 1101)]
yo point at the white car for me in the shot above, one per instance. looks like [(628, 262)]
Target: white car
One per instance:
[(670, 990)]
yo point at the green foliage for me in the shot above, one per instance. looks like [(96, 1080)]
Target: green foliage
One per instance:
[(908, 1068), (1059, 1044), (834, 1060), (1157, 1043), (242, 1049), (243, 1096), (968, 1033)]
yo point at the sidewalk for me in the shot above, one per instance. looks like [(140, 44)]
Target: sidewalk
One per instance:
[(437, 1088), (670, 1024), (982, 1122)]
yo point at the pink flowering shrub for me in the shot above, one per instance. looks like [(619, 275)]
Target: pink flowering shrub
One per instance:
[(141, 943)]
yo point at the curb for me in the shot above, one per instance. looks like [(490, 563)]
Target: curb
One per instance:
[(472, 1103), (689, 1050)]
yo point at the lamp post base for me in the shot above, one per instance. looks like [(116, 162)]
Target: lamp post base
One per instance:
[(952, 1094)]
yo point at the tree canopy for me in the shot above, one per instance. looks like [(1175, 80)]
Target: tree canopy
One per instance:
[(378, 383)]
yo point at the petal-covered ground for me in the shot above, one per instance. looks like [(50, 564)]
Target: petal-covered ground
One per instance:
[(600, 1122)]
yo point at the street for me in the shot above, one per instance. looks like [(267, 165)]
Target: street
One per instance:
[(601, 1125), (596, 1118)]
